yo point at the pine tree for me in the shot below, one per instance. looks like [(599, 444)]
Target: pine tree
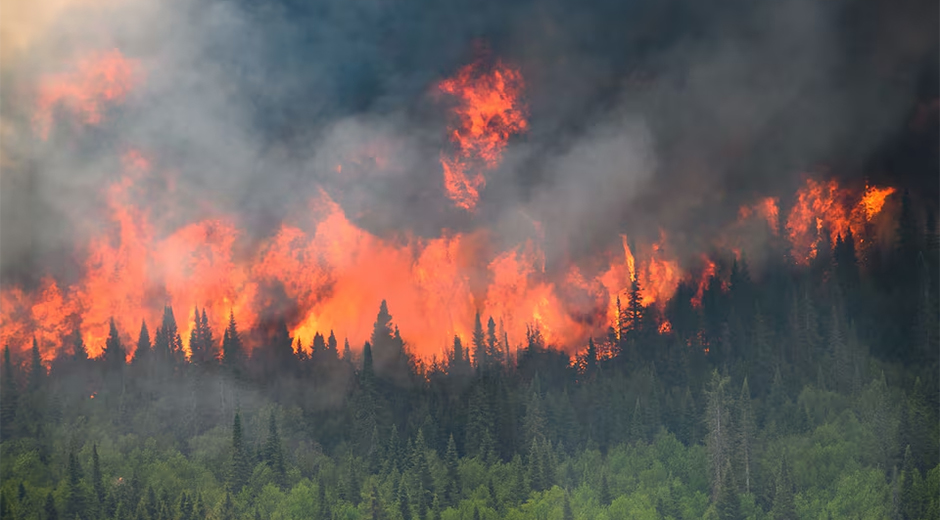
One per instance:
[(196, 343), (746, 432), (144, 349), (75, 503), (332, 347), (273, 453), (233, 354), (717, 417), (167, 345), (452, 482), (567, 513), (240, 470), (479, 442), (79, 352), (784, 507), (375, 506), (227, 511), (728, 504), (604, 494), (37, 372), (96, 479), (479, 343), (9, 397), (912, 493), (425, 487), (590, 360), (324, 511), (114, 354), (49, 510), (403, 506), (492, 343)]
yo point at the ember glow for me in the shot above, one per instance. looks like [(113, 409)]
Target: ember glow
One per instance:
[(489, 110), (97, 81)]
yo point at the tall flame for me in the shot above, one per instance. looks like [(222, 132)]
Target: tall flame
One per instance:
[(824, 205)]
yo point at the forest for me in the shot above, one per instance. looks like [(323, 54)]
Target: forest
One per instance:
[(806, 392)]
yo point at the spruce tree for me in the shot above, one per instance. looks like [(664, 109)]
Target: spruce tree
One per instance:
[(452, 483), (37, 372), (567, 513), (728, 504), (403, 506), (114, 354), (75, 503), (492, 343), (233, 354), (144, 349), (240, 469), (784, 507), (9, 397), (717, 417), (97, 481), (273, 453), (49, 510), (79, 352), (479, 343)]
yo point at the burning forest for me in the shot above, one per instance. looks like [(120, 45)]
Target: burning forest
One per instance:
[(325, 261)]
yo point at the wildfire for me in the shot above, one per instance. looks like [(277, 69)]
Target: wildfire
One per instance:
[(824, 205), (489, 110), (324, 273), (708, 272), (95, 81)]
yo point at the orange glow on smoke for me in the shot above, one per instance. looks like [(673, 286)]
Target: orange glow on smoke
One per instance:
[(96, 80), (489, 110)]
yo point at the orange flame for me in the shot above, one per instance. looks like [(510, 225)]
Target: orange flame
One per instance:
[(96, 80), (708, 272), (489, 111), (824, 204)]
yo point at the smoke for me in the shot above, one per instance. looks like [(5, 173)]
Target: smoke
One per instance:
[(643, 115)]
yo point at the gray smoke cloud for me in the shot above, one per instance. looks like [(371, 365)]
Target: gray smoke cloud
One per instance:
[(643, 115)]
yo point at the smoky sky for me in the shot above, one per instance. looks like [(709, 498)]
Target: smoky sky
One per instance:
[(642, 114)]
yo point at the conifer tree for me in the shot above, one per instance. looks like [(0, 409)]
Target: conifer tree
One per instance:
[(113, 350), (324, 511), (232, 350), (97, 480), (567, 513), (784, 507), (425, 483), (75, 503), (9, 398), (37, 372), (240, 469), (452, 483), (49, 510), (479, 442), (144, 349), (492, 343), (746, 426), (403, 506), (728, 504), (273, 453), (717, 417), (79, 352), (479, 343), (604, 494)]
